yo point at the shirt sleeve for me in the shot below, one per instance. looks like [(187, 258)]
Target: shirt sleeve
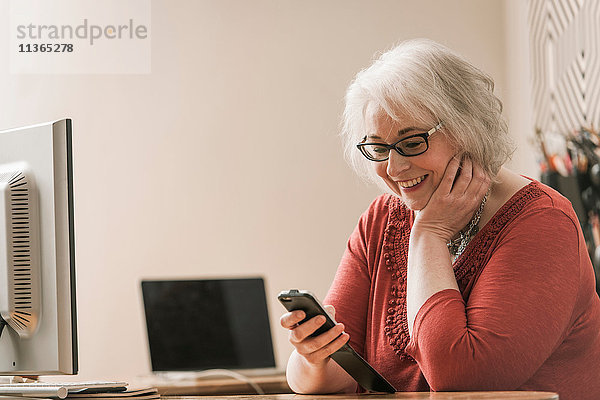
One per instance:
[(517, 313), (350, 290)]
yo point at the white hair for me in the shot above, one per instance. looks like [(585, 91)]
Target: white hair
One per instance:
[(431, 84)]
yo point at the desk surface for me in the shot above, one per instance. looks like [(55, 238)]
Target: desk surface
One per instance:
[(224, 386), (228, 388), (400, 396)]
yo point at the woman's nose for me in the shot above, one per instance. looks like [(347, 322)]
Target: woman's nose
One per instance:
[(397, 164)]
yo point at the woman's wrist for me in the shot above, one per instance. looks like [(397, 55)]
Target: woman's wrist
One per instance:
[(308, 378), (300, 372), (313, 366), (431, 235)]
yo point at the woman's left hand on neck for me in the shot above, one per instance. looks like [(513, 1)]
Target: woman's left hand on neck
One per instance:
[(454, 202), (449, 210)]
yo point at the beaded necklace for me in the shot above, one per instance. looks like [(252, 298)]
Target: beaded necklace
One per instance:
[(458, 245)]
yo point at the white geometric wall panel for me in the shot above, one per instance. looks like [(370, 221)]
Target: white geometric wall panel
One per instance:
[(565, 55)]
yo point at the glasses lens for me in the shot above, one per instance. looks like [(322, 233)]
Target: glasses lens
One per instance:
[(412, 145), (375, 152)]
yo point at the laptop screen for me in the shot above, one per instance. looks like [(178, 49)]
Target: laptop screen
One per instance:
[(195, 325)]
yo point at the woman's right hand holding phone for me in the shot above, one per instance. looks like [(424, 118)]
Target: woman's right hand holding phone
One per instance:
[(310, 369), (314, 349)]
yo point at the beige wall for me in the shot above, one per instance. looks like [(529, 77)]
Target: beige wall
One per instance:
[(224, 161), (517, 101)]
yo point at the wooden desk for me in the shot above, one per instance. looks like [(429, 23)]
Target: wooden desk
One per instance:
[(269, 384), (276, 388), (399, 396)]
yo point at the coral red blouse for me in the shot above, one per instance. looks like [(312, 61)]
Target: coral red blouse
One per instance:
[(527, 316)]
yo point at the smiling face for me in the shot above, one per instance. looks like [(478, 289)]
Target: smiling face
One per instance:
[(413, 179)]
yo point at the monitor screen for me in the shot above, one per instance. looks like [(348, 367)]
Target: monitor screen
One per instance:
[(194, 325), (37, 251)]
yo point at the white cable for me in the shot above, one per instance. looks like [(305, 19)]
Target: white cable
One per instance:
[(232, 374)]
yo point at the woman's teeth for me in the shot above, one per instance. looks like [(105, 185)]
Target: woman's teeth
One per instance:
[(409, 184)]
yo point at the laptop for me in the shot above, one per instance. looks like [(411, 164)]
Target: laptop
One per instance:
[(206, 324)]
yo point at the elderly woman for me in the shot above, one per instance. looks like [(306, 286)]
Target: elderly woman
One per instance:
[(467, 276)]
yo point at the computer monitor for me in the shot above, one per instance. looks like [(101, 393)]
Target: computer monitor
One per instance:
[(37, 252)]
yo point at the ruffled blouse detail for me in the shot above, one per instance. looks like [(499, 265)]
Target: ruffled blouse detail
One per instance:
[(468, 265)]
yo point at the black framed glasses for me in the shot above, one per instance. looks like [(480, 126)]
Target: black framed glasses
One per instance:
[(409, 146)]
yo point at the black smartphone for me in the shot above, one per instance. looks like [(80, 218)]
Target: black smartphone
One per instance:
[(356, 366)]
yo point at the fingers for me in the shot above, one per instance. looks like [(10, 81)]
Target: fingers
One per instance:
[(479, 183), (314, 349), (447, 183), (323, 352), (313, 343), (304, 330), (461, 189), (291, 319), (463, 185), (463, 176)]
